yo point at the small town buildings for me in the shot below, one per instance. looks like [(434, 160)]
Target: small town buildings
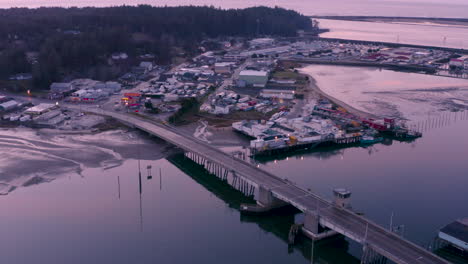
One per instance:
[(254, 78)]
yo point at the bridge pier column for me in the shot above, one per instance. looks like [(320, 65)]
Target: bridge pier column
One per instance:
[(265, 198), (265, 202), (311, 227)]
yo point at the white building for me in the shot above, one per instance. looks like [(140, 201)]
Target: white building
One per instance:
[(254, 78)]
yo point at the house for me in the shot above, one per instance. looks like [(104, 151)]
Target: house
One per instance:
[(147, 65)]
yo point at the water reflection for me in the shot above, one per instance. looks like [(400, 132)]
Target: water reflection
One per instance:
[(278, 223)]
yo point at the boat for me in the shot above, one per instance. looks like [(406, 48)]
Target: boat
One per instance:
[(369, 139)]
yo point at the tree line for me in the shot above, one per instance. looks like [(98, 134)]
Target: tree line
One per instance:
[(79, 41)]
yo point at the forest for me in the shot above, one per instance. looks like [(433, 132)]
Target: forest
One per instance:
[(55, 43)]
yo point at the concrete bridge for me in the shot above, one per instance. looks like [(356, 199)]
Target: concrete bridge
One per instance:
[(271, 192)]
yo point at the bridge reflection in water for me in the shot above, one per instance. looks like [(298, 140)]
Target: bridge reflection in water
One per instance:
[(277, 222)]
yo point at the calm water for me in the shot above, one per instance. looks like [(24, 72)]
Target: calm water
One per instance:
[(420, 8), (451, 36), (424, 182), (186, 215), (82, 220)]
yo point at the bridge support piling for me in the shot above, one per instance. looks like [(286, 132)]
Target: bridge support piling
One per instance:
[(265, 202), (370, 256), (311, 227)]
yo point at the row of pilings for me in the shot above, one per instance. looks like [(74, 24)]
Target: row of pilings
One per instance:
[(370, 256), (224, 174)]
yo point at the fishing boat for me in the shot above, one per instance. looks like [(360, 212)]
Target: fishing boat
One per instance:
[(370, 139)]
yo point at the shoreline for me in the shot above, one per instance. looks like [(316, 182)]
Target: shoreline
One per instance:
[(398, 19), (314, 88)]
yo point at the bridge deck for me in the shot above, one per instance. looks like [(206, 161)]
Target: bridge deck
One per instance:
[(344, 221)]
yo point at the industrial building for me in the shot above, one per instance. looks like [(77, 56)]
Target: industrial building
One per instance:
[(253, 78), (40, 109), (9, 105), (61, 87), (456, 234)]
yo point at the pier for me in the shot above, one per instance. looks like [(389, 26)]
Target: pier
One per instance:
[(270, 192)]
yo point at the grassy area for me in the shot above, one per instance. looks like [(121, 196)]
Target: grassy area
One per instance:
[(286, 75), (227, 120)]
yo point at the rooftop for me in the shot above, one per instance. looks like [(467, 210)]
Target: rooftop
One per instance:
[(457, 229), (40, 108), (253, 73)]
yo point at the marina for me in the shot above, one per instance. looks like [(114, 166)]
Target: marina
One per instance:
[(324, 125)]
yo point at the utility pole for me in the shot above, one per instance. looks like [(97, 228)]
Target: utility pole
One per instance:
[(391, 222), (139, 172)]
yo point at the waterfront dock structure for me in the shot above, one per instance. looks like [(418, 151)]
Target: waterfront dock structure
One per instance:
[(272, 192)]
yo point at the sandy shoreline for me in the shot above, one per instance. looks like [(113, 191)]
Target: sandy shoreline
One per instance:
[(34, 156), (315, 88)]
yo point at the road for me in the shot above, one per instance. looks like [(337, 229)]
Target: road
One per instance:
[(341, 220)]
